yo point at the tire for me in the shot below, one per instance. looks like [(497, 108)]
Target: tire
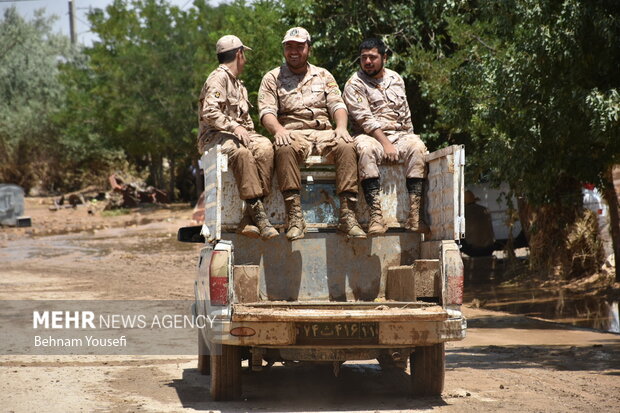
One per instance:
[(204, 362), (226, 373), (428, 365)]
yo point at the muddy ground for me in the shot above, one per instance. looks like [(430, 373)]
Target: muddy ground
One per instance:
[(506, 363)]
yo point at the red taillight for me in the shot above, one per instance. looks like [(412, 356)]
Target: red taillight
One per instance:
[(218, 278), (242, 332)]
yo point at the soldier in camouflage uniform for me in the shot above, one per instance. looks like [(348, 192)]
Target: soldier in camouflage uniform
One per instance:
[(377, 103), (224, 119), (295, 102)]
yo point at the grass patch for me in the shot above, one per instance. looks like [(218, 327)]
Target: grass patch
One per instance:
[(115, 212)]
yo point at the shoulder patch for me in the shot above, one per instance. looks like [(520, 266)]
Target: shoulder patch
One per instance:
[(332, 84)]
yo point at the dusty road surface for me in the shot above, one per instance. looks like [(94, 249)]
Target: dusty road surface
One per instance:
[(507, 363)]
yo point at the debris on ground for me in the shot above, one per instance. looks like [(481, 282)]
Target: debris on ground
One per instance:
[(81, 197), (124, 193), (131, 194)]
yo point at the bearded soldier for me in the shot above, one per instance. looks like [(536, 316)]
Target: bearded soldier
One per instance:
[(377, 103)]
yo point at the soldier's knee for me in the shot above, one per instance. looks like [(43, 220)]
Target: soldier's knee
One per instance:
[(264, 152), (243, 154), (285, 152), (345, 148)]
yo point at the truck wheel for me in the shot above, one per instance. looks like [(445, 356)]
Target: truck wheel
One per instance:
[(204, 362), (428, 370), (226, 373)]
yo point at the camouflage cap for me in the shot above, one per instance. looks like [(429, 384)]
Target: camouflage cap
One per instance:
[(229, 42), (297, 34)]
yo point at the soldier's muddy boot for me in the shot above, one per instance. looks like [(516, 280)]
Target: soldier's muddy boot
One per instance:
[(296, 227), (259, 217), (246, 226), (347, 222), (372, 191), (415, 221)]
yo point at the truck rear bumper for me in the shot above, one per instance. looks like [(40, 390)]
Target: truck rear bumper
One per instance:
[(385, 334)]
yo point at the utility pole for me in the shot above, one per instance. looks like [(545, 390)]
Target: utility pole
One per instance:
[(72, 21)]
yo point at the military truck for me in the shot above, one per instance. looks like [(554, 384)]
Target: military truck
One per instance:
[(326, 298)]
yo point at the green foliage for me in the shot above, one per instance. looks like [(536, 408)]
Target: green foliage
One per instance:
[(531, 86), (136, 90), (535, 83), (141, 81), (29, 94), (115, 212)]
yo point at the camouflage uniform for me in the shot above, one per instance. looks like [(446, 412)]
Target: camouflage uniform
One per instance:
[(382, 104), (303, 104), (224, 105)]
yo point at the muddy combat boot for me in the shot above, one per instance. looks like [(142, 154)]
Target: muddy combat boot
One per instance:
[(246, 226), (296, 227), (347, 222), (372, 191), (259, 217), (415, 221)]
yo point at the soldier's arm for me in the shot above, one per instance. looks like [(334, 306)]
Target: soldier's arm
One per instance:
[(336, 107), (268, 110), (340, 116), (356, 98), (211, 107), (333, 97)]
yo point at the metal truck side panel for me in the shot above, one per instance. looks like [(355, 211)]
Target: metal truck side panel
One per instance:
[(453, 273), (444, 194)]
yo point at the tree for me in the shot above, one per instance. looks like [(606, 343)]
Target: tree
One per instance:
[(531, 86), (30, 93), (142, 87), (536, 83), (144, 76)]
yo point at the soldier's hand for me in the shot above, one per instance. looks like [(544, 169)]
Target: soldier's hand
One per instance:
[(282, 137), (390, 152), (344, 134), (243, 135)]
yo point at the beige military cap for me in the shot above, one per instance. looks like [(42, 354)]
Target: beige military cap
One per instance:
[(229, 42), (297, 34)]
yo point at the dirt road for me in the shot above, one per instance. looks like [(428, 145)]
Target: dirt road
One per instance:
[(507, 362)]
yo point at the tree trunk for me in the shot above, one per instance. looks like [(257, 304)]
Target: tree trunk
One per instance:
[(172, 179), (155, 170), (549, 229), (525, 216), (609, 193)]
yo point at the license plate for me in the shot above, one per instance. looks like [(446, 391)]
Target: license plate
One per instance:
[(337, 333)]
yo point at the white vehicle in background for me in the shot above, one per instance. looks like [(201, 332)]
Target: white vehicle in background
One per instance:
[(495, 200)]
